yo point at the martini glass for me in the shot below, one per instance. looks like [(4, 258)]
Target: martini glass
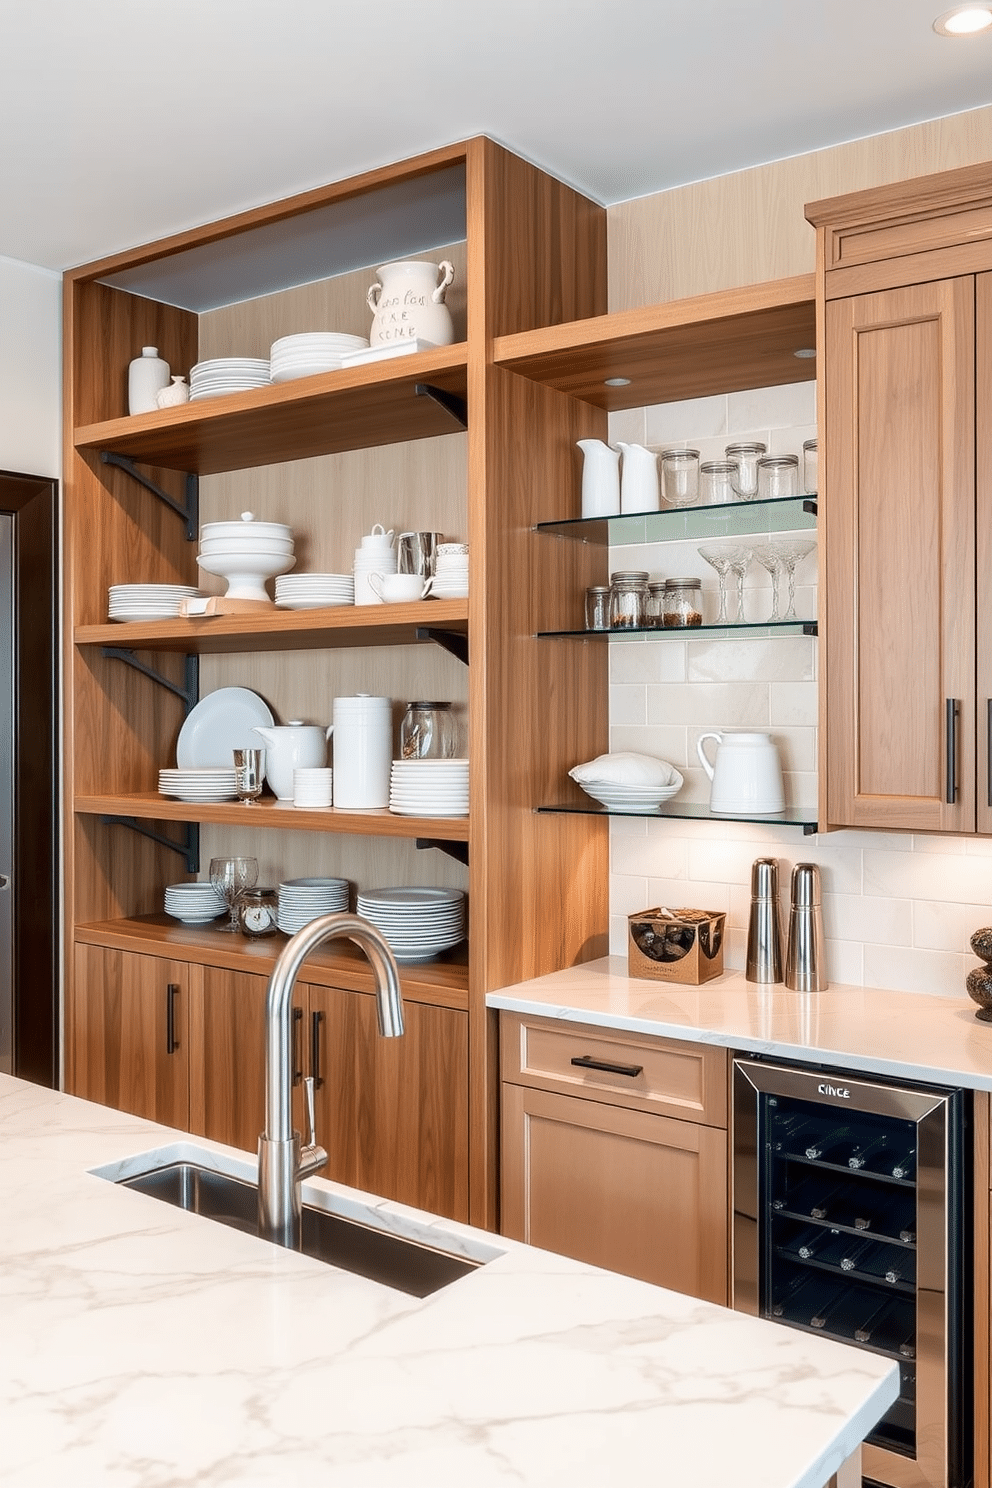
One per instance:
[(728, 558), (783, 556), (230, 878)]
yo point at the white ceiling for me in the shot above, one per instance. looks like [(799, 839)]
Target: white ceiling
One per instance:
[(125, 120)]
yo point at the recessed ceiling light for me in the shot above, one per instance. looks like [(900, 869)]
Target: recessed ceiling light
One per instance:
[(805, 352), (964, 20), (616, 382)]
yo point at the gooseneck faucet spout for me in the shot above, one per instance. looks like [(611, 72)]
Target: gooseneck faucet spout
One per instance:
[(283, 1161)]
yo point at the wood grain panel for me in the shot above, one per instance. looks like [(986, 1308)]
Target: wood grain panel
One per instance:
[(632, 1192), (110, 328), (393, 1113), (120, 1056), (899, 569), (983, 507), (719, 343)]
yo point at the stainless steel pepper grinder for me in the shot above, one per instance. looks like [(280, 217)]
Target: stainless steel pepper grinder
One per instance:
[(764, 939), (804, 957)]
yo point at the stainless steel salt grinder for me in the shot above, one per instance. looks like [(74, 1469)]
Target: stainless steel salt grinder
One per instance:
[(804, 957), (764, 940)]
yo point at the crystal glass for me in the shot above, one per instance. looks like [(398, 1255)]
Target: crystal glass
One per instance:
[(249, 772), (728, 558), (783, 556), (746, 456), (230, 877)]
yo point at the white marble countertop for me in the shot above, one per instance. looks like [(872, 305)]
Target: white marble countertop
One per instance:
[(902, 1034), (142, 1347)]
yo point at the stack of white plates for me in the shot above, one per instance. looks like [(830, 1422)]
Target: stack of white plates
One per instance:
[(148, 601), (193, 903), (216, 783), (314, 591), (310, 353), (418, 923), (222, 375), (304, 899), (451, 571), (429, 787), (630, 797)]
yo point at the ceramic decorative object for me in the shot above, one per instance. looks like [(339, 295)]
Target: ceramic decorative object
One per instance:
[(979, 981), (600, 479), (639, 487), (746, 775), (147, 375), (408, 303), (294, 746), (174, 396)]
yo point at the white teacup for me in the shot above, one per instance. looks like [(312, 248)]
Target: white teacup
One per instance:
[(397, 588), (378, 539)]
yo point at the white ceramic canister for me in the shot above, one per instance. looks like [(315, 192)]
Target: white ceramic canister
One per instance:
[(146, 376), (408, 302), (746, 775), (295, 745), (363, 752)]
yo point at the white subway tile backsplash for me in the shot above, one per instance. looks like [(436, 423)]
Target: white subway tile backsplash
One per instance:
[(689, 894), (955, 879), (772, 408), (873, 921), (787, 660), (844, 961), (939, 973), (629, 425), (641, 858), (948, 926), (688, 422), (662, 742), (793, 702), (796, 748), (628, 705), (647, 661), (714, 705)]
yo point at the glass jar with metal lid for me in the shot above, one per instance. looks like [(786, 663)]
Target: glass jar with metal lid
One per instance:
[(745, 455), (778, 476), (598, 607), (654, 614), (628, 599), (258, 913), (683, 603), (810, 474)]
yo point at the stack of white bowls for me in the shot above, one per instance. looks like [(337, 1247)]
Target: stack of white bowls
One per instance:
[(246, 553), (313, 786), (304, 899), (419, 923), (213, 783), (429, 787), (309, 353), (193, 903), (314, 591), (374, 554), (148, 601), (221, 375), (451, 571)]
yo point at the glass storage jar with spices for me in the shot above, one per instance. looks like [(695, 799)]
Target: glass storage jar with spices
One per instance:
[(655, 613), (628, 599), (683, 603)]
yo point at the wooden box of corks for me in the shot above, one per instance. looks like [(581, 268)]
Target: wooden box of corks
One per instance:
[(675, 945)]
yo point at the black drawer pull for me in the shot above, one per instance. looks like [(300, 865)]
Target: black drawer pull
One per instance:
[(315, 1021), (951, 712), (586, 1061), (171, 1042)]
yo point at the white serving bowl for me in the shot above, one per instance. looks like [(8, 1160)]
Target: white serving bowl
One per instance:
[(246, 572), (246, 527)]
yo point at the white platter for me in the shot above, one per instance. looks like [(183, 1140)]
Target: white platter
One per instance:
[(219, 724)]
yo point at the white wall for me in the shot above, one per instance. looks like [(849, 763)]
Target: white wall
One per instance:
[(898, 908), (30, 369)]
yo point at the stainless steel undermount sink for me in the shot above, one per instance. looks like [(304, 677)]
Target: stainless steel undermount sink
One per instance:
[(415, 1266)]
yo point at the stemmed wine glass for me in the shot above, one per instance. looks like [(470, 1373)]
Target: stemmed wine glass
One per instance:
[(230, 878), (783, 556), (728, 558)]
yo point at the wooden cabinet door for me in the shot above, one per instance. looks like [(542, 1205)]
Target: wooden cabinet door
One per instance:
[(393, 1113), (227, 1055), (130, 1033), (898, 529), (983, 477), (632, 1192)]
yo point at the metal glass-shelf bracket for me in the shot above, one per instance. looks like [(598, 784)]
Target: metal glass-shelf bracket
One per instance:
[(449, 640), (450, 402), (188, 847), (187, 691), (456, 850), (188, 510)]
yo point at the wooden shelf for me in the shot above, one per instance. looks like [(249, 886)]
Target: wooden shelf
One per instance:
[(358, 408), (443, 982), (714, 343), (285, 630), (269, 813)]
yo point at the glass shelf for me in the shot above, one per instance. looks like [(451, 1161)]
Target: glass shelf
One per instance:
[(755, 629), (729, 519), (798, 816)]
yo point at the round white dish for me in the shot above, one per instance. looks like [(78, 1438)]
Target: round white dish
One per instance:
[(220, 723)]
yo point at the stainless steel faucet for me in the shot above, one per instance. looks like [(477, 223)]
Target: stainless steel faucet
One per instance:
[(283, 1161)]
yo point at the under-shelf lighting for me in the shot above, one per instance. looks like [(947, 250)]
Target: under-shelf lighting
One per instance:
[(616, 382), (805, 353), (964, 20)]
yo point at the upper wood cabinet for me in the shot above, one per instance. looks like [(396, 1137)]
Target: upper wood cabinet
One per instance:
[(906, 506)]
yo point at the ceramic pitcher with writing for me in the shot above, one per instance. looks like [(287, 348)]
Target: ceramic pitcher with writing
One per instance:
[(408, 302)]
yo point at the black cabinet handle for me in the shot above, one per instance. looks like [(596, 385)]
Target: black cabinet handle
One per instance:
[(297, 1060), (171, 1042), (586, 1061), (315, 1021), (951, 710)]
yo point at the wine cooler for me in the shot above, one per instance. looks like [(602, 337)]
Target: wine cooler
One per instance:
[(850, 1210)]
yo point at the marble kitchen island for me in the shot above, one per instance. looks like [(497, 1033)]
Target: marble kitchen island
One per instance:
[(140, 1345)]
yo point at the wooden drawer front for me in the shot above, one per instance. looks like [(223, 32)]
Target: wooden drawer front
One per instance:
[(687, 1081)]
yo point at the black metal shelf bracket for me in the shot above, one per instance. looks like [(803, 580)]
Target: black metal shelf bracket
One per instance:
[(810, 829), (810, 507), (456, 850), (450, 640), (188, 847), (450, 402), (188, 691), (810, 627), (188, 510)]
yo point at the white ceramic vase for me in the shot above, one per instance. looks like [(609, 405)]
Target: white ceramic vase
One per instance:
[(146, 376), (408, 302)]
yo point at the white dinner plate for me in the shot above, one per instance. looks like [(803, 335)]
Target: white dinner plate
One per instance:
[(220, 723)]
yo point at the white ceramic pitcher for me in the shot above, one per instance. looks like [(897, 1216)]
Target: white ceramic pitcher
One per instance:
[(639, 488), (746, 775), (600, 479), (293, 746), (408, 302)]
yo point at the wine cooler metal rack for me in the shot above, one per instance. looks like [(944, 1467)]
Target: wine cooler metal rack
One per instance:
[(849, 1203)]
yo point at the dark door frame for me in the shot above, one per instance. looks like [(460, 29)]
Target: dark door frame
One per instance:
[(33, 503)]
